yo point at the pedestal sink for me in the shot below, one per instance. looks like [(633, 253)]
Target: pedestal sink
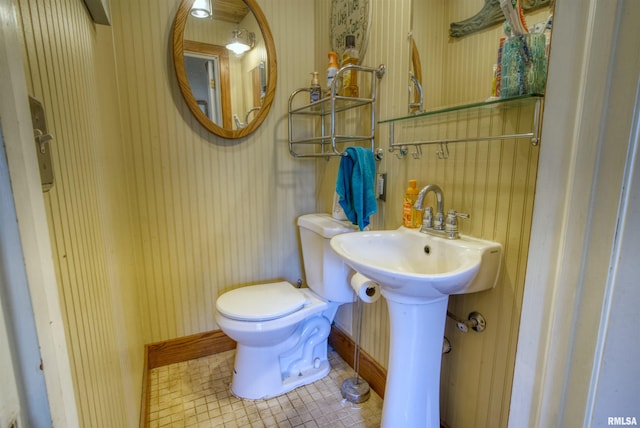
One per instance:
[(417, 273)]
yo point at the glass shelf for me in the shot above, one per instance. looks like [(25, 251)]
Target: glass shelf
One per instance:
[(450, 120), (329, 140), (499, 103), (324, 106)]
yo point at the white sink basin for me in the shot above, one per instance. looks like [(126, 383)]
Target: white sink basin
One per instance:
[(412, 267), (417, 273)]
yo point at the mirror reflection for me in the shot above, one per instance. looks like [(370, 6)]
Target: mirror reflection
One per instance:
[(416, 91), (220, 67), (459, 70), (225, 63)]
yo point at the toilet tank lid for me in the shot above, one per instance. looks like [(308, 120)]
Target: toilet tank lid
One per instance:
[(261, 302), (325, 225)]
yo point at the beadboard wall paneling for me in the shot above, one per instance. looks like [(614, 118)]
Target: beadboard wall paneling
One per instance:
[(210, 214), (152, 217), (219, 35), (69, 67), (389, 45), (492, 180), (468, 61), (430, 29), (495, 182)]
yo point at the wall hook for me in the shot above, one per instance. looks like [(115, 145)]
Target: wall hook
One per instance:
[(402, 151), (418, 153), (443, 153)]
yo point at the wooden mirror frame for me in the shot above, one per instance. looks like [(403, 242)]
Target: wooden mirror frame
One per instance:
[(178, 61)]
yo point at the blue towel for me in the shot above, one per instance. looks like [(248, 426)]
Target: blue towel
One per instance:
[(355, 185)]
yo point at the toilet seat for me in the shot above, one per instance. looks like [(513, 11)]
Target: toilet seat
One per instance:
[(262, 302)]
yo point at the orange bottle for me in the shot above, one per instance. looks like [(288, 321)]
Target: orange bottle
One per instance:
[(350, 77), (410, 216), (332, 69)]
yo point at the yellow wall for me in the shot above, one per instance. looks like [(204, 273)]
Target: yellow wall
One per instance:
[(152, 217), (493, 181), (69, 66), (210, 214)]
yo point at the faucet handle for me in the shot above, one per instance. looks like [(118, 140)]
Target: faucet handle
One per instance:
[(438, 221), (452, 224), (427, 219), (455, 213)]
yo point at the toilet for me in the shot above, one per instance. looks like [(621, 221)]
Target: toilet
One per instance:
[(281, 331)]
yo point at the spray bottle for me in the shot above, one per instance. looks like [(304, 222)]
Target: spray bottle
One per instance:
[(332, 69)]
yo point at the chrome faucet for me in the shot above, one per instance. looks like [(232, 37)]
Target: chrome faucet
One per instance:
[(438, 221), (436, 225)]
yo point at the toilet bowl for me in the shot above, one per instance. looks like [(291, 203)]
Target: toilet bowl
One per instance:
[(281, 331)]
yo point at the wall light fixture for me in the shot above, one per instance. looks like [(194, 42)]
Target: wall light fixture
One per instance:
[(201, 9), (241, 41)]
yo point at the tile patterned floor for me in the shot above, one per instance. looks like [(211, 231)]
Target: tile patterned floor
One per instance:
[(196, 394)]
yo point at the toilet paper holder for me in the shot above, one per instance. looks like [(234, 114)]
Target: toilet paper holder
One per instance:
[(365, 289)]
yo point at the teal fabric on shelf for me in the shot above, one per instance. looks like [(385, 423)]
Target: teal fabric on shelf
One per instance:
[(355, 185)]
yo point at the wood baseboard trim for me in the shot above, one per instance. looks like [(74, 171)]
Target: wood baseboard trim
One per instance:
[(172, 351), (370, 370), (199, 345), (146, 397), (187, 348)]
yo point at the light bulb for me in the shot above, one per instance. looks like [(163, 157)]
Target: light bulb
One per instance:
[(237, 47), (201, 9)]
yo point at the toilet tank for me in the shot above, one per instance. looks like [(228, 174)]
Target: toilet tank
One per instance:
[(327, 275)]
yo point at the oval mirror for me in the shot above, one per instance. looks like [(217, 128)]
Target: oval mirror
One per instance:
[(228, 91)]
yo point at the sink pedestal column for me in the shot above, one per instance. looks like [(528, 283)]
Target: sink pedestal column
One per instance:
[(412, 393)]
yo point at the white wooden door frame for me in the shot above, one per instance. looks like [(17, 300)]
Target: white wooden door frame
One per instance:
[(32, 222), (593, 79)]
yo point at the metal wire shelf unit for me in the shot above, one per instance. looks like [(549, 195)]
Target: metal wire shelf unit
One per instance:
[(325, 134)]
